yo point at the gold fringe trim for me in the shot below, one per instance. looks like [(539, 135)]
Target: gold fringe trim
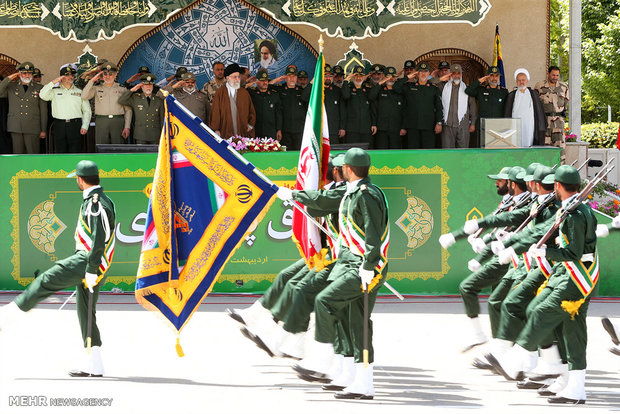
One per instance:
[(317, 262), (540, 289), (572, 307)]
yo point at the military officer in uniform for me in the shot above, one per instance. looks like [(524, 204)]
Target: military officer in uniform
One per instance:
[(148, 110), (71, 113), (293, 110), (36, 76), (409, 68), (85, 269), (491, 96), (184, 90), (27, 116), (554, 96), (377, 74), (217, 82), (361, 122), (338, 76), (424, 111), (267, 106), (334, 105), (302, 79), (112, 120), (390, 107)]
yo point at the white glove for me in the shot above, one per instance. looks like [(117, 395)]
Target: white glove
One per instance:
[(91, 280), (478, 245), (502, 235), (538, 252), (473, 265), (497, 246), (602, 230), (284, 193), (504, 256), (366, 276), (471, 226), (616, 222), (447, 240)]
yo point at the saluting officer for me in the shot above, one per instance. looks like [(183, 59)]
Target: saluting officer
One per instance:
[(334, 105), (185, 91), (112, 120), (27, 117), (361, 122), (148, 109), (267, 106), (293, 109), (377, 73), (491, 96), (424, 111), (390, 127)]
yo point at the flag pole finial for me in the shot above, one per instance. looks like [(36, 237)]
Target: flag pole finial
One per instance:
[(165, 92), (321, 42)]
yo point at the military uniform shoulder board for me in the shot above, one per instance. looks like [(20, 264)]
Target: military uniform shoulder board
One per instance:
[(95, 198), (363, 187)]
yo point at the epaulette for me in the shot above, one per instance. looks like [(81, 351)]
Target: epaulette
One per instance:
[(96, 198), (363, 187)]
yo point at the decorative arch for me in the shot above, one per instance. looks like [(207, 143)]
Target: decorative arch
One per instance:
[(451, 51), (209, 31), (7, 65), (473, 65)]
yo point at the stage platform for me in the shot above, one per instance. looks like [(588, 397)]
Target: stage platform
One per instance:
[(418, 364)]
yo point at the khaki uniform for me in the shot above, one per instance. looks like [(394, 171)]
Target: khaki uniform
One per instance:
[(196, 102), (554, 101), (110, 116), (148, 116), (27, 116)]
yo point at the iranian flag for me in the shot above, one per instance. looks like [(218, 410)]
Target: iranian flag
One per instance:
[(312, 167)]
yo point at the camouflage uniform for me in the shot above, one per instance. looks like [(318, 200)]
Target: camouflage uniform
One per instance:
[(554, 101)]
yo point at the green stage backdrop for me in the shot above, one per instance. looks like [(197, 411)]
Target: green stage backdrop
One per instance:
[(429, 193)]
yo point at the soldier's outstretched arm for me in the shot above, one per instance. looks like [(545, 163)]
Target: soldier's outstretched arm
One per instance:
[(326, 201)]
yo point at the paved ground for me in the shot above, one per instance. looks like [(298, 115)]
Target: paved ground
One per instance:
[(418, 365)]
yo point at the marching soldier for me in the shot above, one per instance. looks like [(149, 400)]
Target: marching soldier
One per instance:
[(186, 93), (554, 96), (424, 111), (491, 96), (27, 116), (390, 108), (112, 120), (293, 109), (267, 106), (361, 123), (85, 269), (148, 110)]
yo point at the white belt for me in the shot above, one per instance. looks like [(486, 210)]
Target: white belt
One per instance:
[(588, 257)]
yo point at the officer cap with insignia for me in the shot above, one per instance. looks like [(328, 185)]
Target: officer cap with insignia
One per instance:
[(327, 69), (378, 68), (338, 160), (36, 72), (516, 174), (188, 76), (540, 173), (144, 69), (390, 70), (302, 74), (409, 64), (67, 70), (180, 71), (423, 66), (109, 67), (337, 70), (102, 61), (456, 68), (359, 70), (501, 175), (444, 65), (357, 157), (26, 67), (565, 174), (493, 70), (262, 75), (148, 79), (291, 70), (529, 172), (85, 168)]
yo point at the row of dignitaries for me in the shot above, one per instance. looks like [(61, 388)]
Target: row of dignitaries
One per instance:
[(540, 287), (356, 264), (84, 270)]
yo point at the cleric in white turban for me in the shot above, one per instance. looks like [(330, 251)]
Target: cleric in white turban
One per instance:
[(525, 103)]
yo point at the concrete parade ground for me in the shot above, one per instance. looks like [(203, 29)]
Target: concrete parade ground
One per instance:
[(419, 367)]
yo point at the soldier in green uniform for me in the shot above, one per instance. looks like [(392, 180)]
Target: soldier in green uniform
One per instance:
[(94, 241), (377, 74), (112, 120), (491, 96), (338, 76), (334, 106), (293, 110), (27, 116), (148, 110), (424, 111), (267, 106), (390, 108), (554, 96), (302, 79), (361, 122), (362, 256)]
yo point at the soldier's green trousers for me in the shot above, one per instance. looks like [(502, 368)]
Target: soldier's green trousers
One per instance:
[(547, 316), (488, 275), (387, 140), (355, 137), (420, 139), (272, 295), (64, 274), (109, 130)]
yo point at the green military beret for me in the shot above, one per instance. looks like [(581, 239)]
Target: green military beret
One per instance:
[(27, 67), (144, 69), (338, 160), (302, 74), (493, 70), (109, 67), (516, 174), (291, 70), (148, 79), (188, 76), (357, 157), (529, 172), (359, 70), (501, 175), (338, 70), (390, 70), (85, 168), (408, 64), (540, 173), (262, 75), (67, 70), (565, 174), (423, 66), (444, 65), (327, 68)]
